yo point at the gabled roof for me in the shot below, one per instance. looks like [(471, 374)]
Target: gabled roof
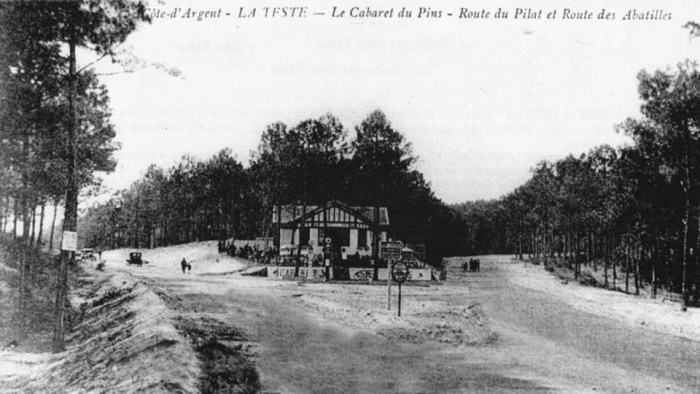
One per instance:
[(291, 213)]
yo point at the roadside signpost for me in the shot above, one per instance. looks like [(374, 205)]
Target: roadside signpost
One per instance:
[(399, 272), (69, 241), (390, 251)]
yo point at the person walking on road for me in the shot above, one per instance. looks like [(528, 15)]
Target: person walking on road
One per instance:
[(184, 265)]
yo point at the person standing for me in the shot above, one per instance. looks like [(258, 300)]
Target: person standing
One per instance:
[(184, 265)]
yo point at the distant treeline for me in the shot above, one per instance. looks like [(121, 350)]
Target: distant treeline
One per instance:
[(635, 207), (310, 163)]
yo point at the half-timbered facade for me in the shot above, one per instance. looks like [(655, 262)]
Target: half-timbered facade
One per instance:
[(351, 231)]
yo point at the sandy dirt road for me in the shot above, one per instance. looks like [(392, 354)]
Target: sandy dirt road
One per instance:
[(594, 351), (321, 338)]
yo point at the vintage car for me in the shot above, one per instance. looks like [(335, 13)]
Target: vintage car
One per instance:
[(87, 254), (134, 258)]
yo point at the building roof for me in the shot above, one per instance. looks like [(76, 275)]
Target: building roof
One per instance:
[(290, 213)]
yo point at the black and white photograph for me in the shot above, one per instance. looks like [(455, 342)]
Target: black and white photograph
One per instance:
[(397, 196)]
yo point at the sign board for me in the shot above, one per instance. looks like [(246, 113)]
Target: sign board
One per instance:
[(287, 273), (69, 241), (390, 250), (361, 273), (414, 274), (399, 272)]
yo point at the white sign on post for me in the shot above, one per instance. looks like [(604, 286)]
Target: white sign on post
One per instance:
[(70, 241), (391, 252)]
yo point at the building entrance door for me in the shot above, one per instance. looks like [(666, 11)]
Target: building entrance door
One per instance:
[(340, 237)]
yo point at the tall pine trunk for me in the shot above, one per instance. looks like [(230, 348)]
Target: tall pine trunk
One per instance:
[(3, 214), (627, 268), (53, 224), (26, 225), (594, 247), (520, 239), (578, 254), (7, 214), (15, 215), (589, 251), (636, 270), (32, 238), (70, 221), (614, 264), (606, 260), (696, 260), (686, 224), (41, 225), (654, 262), (567, 246)]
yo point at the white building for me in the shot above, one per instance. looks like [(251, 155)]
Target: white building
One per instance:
[(350, 230)]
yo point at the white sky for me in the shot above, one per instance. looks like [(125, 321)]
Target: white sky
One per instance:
[(482, 101)]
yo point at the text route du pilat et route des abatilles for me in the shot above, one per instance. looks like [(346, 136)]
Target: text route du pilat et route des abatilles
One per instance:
[(368, 12)]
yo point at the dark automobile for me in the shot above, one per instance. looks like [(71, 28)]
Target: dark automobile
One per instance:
[(135, 258), (87, 255)]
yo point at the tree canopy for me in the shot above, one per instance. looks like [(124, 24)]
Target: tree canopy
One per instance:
[(311, 163), (637, 206)]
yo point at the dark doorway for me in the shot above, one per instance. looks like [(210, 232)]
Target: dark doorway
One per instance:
[(304, 236), (339, 237)]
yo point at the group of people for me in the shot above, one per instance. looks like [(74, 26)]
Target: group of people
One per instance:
[(186, 267), (473, 265), (247, 252), (227, 247)]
